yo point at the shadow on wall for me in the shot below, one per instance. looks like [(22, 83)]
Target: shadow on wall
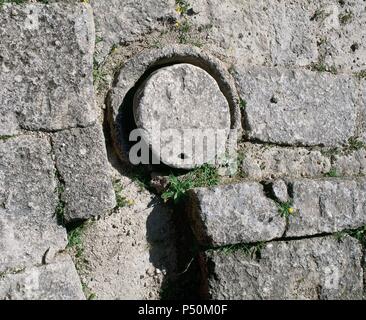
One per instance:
[(173, 249), (171, 246)]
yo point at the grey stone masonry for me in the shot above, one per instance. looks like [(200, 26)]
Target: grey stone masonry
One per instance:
[(234, 214), (286, 33), (318, 268), (55, 281), (298, 107), (81, 161), (123, 21), (244, 213), (28, 199), (46, 67), (261, 162), (327, 206)]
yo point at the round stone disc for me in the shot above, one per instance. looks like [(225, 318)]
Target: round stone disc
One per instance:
[(184, 114)]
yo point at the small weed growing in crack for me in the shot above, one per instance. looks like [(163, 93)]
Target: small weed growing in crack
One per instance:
[(11, 271), (361, 75), (322, 67), (251, 250), (75, 240), (4, 138), (60, 213), (204, 176), (12, 1), (89, 294), (182, 6), (183, 29), (286, 209), (345, 18), (355, 144), (99, 76), (332, 173), (121, 201), (242, 104), (359, 234), (177, 188)]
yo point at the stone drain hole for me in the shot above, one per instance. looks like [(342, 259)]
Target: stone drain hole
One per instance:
[(150, 96)]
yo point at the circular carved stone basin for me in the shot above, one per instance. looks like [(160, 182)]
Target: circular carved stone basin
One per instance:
[(184, 115)]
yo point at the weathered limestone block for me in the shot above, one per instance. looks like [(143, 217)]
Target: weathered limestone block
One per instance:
[(81, 161), (296, 33), (46, 67), (327, 206), (234, 214), (351, 164), (28, 198), (298, 107), (258, 32), (318, 268), (264, 162), (341, 33), (123, 21), (56, 281), (178, 101)]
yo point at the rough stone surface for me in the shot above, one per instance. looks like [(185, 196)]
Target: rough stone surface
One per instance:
[(297, 107), (350, 164), (28, 198), (130, 253), (318, 268), (265, 162), (123, 21), (288, 33), (279, 188), (56, 281), (231, 214), (327, 206), (179, 100), (46, 67), (81, 160), (341, 34), (257, 32)]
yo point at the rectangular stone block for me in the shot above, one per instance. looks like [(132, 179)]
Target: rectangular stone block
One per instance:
[(28, 198), (350, 164), (327, 206), (230, 214), (46, 64), (298, 107), (56, 281), (313, 269), (123, 21), (263, 162), (81, 160)]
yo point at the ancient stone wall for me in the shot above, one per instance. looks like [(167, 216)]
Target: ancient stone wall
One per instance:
[(78, 220)]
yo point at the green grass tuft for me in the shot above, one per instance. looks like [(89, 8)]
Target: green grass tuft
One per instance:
[(204, 176), (332, 173), (286, 209), (75, 237)]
